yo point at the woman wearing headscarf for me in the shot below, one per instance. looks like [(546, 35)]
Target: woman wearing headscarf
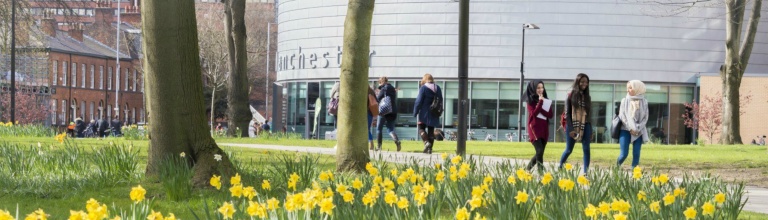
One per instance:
[(633, 114), (538, 128)]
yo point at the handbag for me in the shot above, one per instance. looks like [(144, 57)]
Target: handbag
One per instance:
[(616, 127), (333, 106), (373, 105), (385, 106)]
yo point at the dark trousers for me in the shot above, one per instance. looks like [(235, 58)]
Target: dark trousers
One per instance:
[(429, 136), (538, 159)]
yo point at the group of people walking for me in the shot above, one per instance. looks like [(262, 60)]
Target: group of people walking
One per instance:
[(101, 128), (629, 121)]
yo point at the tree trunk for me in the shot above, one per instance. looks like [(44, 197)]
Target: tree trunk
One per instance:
[(174, 85), (736, 60), (238, 111), (352, 150)]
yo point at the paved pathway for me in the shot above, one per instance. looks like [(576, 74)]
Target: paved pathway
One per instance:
[(758, 197)]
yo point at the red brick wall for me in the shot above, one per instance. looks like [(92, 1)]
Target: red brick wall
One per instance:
[(134, 99), (753, 120)]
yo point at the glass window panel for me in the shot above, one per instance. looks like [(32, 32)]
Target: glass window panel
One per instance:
[(508, 109), (406, 98), (678, 132), (483, 110)]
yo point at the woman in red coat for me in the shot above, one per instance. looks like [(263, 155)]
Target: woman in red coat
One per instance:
[(538, 120)]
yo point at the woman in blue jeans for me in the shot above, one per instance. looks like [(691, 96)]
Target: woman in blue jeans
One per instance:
[(577, 128), (633, 113)]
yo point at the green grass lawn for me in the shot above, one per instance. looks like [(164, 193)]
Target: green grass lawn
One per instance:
[(659, 156)]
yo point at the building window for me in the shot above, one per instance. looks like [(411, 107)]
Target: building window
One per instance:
[(141, 111), (109, 112), (109, 78), (101, 78), (91, 111), (74, 74), (82, 78), (92, 77), (127, 78), (135, 78), (82, 110), (63, 115), (64, 73), (55, 75), (133, 116), (53, 112)]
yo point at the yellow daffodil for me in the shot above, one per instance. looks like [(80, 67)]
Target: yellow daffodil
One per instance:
[(227, 210), (521, 197), (348, 197), (155, 216), (641, 196), (477, 191), (679, 192), (73, 215), (265, 185), (511, 180), (249, 192), (326, 206), (655, 207), (488, 180), (171, 216), (357, 184), (590, 211), (444, 156), (256, 209), (707, 209), (720, 198), (402, 203), (273, 204), (39, 214), (390, 197), (235, 180), (620, 216), (582, 180), (479, 217), (462, 214), (456, 159), (604, 208), (546, 178), (663, 179), (236, 191), (5, 215), (475, 202), (568, 167), (440, 176), (669, 199), (216, 181), (539, 198), (137, 194), (566, 184), (620, 206), (690, 213), (438, 166)]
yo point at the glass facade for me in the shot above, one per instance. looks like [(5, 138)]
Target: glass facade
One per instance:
[(493, 109)]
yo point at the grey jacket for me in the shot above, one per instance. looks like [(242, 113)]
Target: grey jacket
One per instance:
[(634, 122)]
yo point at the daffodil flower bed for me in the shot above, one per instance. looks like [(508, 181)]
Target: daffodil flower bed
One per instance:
[(458, 188)]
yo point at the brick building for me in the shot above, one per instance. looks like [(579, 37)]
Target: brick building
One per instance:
[(83, 73), (752, 124), (67, 13)]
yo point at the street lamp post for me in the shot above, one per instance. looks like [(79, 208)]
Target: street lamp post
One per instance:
[(522, 78), (266, 74), (461, 141), (13, 61)]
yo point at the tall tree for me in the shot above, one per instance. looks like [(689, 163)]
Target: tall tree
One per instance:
[(736, 59), (352, 151), (239, 112), (175, 91), (213, 51), (737, 52)]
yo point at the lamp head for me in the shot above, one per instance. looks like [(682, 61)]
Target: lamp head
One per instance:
[(530, 26)]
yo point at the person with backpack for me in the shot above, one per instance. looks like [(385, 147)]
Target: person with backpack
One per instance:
[(387, 98), (539, 114), (576, 117), (633, 114), (428, 108)]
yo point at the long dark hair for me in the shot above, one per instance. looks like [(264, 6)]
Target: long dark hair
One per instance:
[(576, 95)]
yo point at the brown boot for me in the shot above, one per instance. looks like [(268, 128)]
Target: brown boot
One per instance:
[(425, 139), (397, 140)]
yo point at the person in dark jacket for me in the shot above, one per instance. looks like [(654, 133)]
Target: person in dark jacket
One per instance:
[(421, 109), (80, 127), (578, 106), (93, 129), (116, 126), (538, 128), (103, 126), (387, 90)]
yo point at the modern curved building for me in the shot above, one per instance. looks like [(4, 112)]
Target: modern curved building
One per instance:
[(611, 41)]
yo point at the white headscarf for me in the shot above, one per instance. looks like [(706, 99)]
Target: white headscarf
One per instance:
[(639, 88)]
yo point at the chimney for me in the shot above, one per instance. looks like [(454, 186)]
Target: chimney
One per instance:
[(104, 13), (76, 32), (49, 25)]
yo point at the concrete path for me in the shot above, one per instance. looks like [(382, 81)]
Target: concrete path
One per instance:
[(757, 197)]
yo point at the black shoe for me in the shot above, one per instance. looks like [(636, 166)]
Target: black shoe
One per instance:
[(398, 145)]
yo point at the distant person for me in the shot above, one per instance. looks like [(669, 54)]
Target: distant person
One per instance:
[(386, 90), (538, 127), (335, 92), (80, 127), (116, 126), (103, 126), (762, 141), (634, 115), (371, 97), (754, 142), (71, 129), (578, 106), (265, 127), (428, 117), (92, 129)]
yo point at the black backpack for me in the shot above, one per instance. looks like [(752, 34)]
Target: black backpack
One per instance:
[(436, 108)]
